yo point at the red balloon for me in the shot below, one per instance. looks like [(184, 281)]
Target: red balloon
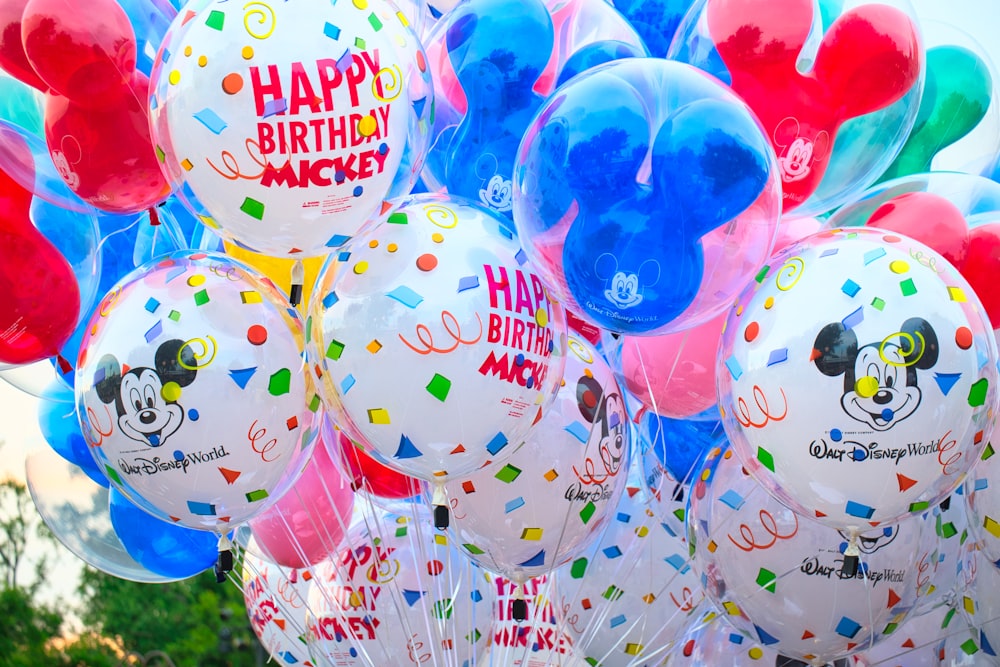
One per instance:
[(86, 52), (928, 218), (982, 268), (372, 476), (12, 57), (868, 59), (39, 296), (106, 156)]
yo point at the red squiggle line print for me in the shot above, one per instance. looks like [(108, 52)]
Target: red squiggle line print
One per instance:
[(415, 647), (770, 526), (95, 435), (572, 619), (233, 166), (254, 436), (454, 507), (687, 600), (746, 420), (590, 475), (947, 465), (923, 581), (289, 595), (451, 326)]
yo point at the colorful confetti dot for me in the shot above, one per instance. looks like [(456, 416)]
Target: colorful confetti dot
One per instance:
[(367, 126), (751, 332), (246, 52), (427, 262), (899, 266), (202, 61), (437, 237), (257, 335), (194, 281), (963, 338), (174, 77), (769, 303), (171, 392), (360, 267), (866, 386), (232, 83), (392, 247)]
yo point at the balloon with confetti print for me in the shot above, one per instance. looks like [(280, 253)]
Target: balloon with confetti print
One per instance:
[(291, 122), (192, 392), (437, 345), (783, 579), (395, 593), (858, 377), (542, 506), (915, 643), (275, 599), (631, 596)]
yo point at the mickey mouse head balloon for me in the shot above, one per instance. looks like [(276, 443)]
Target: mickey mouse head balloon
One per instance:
[(857, 376), (192, 393)]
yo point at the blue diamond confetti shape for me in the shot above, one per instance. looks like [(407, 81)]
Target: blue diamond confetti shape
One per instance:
[(848, 628), (406, 296), (498, 442), (407, 450), (211, 120), (578, 431), (731, 499), (468, 282)]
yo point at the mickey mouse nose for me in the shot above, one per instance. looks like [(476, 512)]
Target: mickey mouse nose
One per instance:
[(147, 416), (882, 397)]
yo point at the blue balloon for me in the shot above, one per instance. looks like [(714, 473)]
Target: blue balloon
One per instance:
[(597, 53), (77, 237), (150, 21), (632, 256), (678, 443), (656, 21), (61, 429), (162, 548)]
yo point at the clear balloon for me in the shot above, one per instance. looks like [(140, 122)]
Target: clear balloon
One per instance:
[(292, 123), (678, 444), (856, 381), (782, 578), (308, 523), (437, 346), (368, 474), (76, 511), (192, 392), (917, 642), (25, 157), (61, 429), (827, 85), (161, 547), (628, 209), (544, 504)]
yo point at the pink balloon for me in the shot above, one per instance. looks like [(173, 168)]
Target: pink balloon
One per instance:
[(793, 230), (309, 521), (674, 374)]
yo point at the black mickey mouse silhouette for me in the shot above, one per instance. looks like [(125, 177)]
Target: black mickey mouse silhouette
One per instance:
[(608, 411), (893, 363), (144, 414)]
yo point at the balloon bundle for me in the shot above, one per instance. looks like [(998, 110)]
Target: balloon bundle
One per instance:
[(517, 332)]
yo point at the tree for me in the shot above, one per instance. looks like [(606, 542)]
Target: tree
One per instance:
[(196, 621), (19, 523)]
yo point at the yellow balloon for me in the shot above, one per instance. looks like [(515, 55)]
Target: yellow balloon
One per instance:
[(279, 269)]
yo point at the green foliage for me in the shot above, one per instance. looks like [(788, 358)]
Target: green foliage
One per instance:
[(196, 621), (26, 629)]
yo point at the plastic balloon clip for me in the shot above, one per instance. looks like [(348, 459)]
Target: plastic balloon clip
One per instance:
[(519, 607), (224, 564), (298, 282), (851, 557), (442, 516)]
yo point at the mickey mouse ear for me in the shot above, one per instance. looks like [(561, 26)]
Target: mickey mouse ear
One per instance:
[(711, 161)]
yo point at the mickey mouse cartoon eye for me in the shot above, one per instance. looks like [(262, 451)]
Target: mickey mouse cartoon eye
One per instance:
[(144, 414), (881, 385)]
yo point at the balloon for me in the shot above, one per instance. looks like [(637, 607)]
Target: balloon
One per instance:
[(678, 444), (955, 567), (603, 223), (549, 500), (291, 123), (12, 56), (368, 474), (20, 104), (957, 92), (275, 598), (40, 298), (161, 547), (279, 269), (824, 94), (307, 524), (60, 428), (654, 592), (983, 496), (982, 609), (597, 53), (857, 383), (656, 21), (150, 20), (917, 642), (674, 374), (780, 576), (26, 159), (192, 392), (90, 146), (492, 94), (437, 347), (667, 497), (394, 589), (76, 511)]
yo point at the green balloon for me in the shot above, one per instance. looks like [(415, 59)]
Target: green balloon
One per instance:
[(20, 104), (957, 90)]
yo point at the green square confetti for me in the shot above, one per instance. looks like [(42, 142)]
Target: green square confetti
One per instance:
[(578, 568), (890, 628), (216, 20), (588, 511), (473, 549), (112, 474), (442, 609), (280, 383), (253, 208), (360, 43), (948, 530), (160, 155), (315, 403), (988, 452), (308, 328), (613, 593), (593, 662), (334, 350), (679, 514), (174, 315), (766, 580), (474, 637), (508, 473), (374, 21), (254, 496), (765, 458), (401, 531), (762, 273), (201, 297), (948, 617), (919, 507), (969, 647), (878, 304), (398, 218), (977, 392), (907, 287), (438, 387)]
